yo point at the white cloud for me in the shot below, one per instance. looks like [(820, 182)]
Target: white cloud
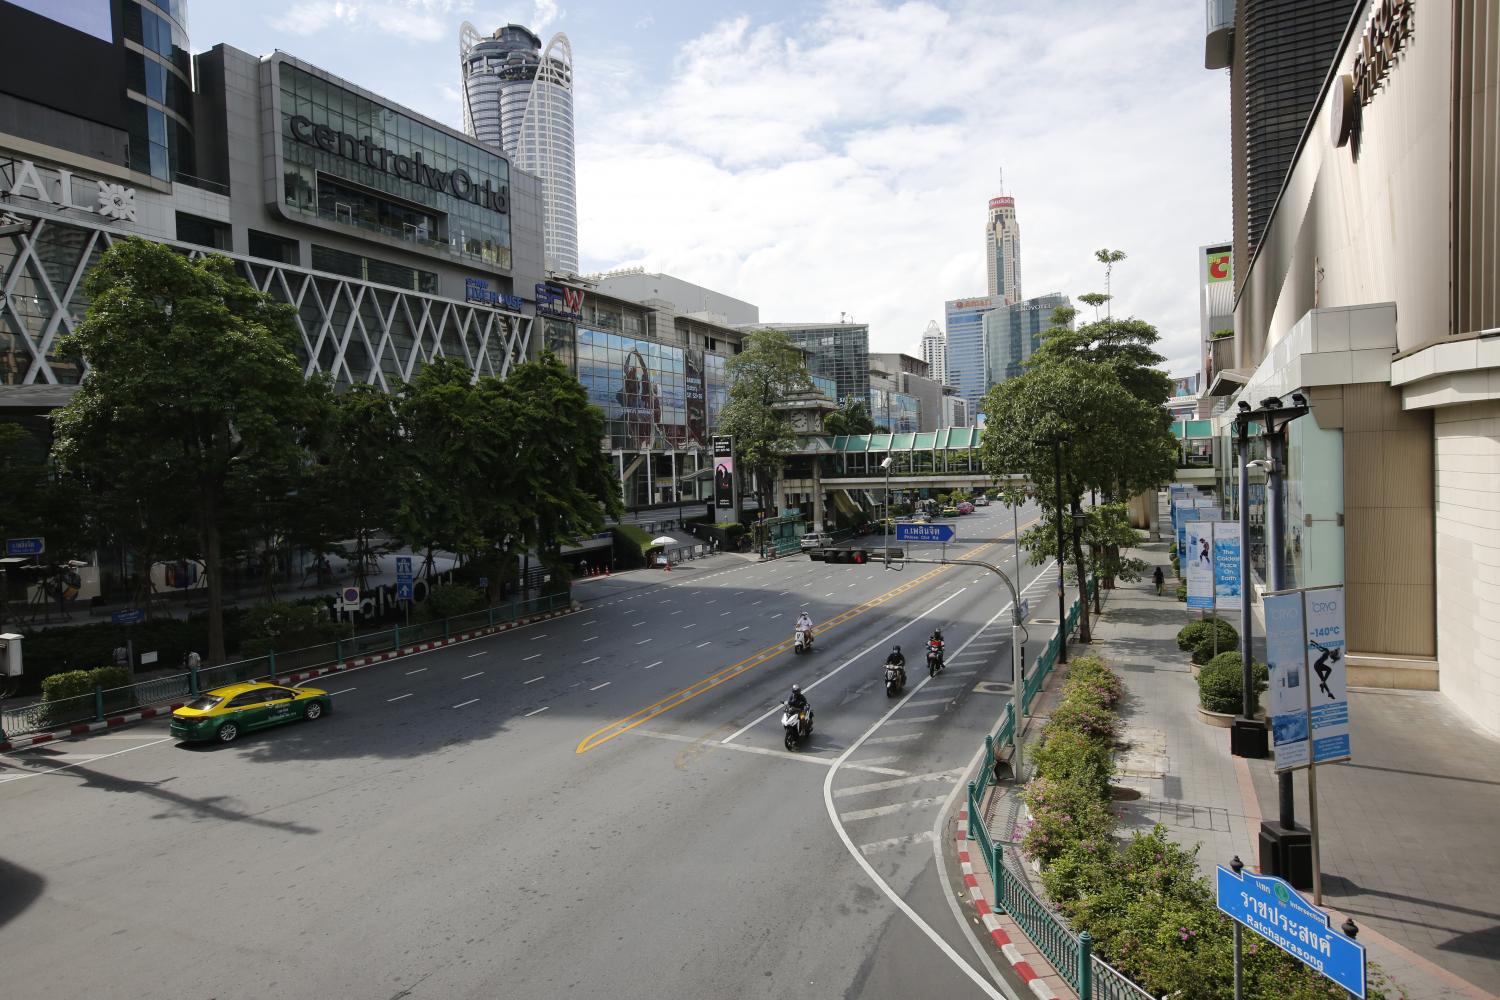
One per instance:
[(417, 20), (845, 165)]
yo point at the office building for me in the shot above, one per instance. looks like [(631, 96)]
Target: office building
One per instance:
[(903, 397), (1369, 289), (395, 238), (518, 96), (639, 285), (966, 358), (935, 352), (1215, 315), (1013, 332), (840, 351), (1002, 250)]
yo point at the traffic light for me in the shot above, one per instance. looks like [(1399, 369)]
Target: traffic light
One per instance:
[(839, 555)]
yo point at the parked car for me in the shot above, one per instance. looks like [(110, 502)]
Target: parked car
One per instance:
[(965, 507), (981, 501), (816, 540), (950, 512)]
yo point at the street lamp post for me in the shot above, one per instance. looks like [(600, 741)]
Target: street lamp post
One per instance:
[(886, 465)]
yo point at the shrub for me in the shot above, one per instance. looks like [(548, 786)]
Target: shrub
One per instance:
[(1194, 632), (1182, 591), (1071, 755), (1220, 683), (1088, 716), (1062, 813), (451, 600), (66, 686), (1089, 674), (282, 626)]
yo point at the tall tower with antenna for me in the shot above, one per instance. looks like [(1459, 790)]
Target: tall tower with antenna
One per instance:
[(1002, 247)]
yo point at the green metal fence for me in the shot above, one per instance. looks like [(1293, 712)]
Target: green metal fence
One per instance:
[(1071, 955), (43, 715)]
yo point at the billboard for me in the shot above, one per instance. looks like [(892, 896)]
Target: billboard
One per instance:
[(1308, 700), (723, 472), (1218, 265), (1197, 562), (1227, 569), (695, 397)]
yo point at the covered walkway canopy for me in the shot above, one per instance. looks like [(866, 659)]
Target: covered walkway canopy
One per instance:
[(952, 450)]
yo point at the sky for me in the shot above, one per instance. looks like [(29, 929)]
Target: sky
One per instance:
[(831, 157)]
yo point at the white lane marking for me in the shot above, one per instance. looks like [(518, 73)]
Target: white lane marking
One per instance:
[(400, 696), (913, 720), (754, 603), (344, 691), (933, 701), (745, 629), (463, 703), (899, 738), (591, 621), (102, 756), (480, 653), (470, 677), (708, 643), (656, 664), (419, 670), (677, 612), (776, 616), (762, 751), (714, 601), (536, 637), (643, 642), (856, 657), (598, 686), (783, 593), (533, 680), (536, 712), (631, 611), (853, 585), (723, 613), (827, 595), (638, 624), (690, 625), (591, 638), (895, 807), (591, 659), (884, 786), (885, 845)]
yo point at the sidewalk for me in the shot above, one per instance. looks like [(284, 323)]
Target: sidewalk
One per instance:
[(1409, 839)]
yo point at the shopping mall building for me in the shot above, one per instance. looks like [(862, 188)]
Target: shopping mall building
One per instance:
[(396, 238), (1371, 285)]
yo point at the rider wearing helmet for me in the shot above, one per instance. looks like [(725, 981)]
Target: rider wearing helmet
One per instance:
[(796, 701), (896, 657), (804, 622)]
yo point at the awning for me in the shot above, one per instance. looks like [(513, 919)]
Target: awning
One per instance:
[(1229, 381)]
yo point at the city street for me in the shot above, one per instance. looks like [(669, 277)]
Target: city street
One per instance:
[(595, 805)]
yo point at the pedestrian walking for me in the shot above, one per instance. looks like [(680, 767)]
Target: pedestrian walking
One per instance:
[(1160, 579)]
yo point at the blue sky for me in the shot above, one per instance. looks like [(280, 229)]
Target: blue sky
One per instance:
[(837, 155)]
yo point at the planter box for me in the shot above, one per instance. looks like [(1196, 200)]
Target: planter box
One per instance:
[(1222, 720)]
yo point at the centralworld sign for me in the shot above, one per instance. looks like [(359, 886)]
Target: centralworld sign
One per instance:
[(362, 149), (1386, 34)]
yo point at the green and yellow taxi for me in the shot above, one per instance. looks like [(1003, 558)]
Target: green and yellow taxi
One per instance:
[(224, 713)]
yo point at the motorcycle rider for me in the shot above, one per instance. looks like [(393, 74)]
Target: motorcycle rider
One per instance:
[(804, 623), (895, 659), (796, 701)]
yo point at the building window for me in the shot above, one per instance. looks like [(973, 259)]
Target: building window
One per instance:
[(203, 232), (382, 272), (268, 247)]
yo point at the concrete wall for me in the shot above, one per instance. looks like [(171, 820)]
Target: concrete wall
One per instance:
[(1467, 441)]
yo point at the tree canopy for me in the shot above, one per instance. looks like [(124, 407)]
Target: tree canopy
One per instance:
[(852, 417), (767, 370)]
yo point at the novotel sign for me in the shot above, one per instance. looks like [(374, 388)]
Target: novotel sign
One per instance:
[(362, 149)]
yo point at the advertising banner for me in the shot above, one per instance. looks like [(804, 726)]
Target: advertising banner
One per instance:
[(1227, 570), (1197, 562), (696, 393), (1327, 679), (723, 472), (1306, 647)]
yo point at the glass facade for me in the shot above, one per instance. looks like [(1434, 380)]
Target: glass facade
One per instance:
[(966, 347), (827, 386), (355, 162), (1013, 332), (894, 412), (840, 351), (159, 75), (655, 397)]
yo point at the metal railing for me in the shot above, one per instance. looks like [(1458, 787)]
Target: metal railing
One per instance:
[(94, 707), (1071, 955)]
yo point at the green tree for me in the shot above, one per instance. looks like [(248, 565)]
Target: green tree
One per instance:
[(568, 484), (767, 370), (1125, 346), (192, 383), (852, 417), (362, 462)]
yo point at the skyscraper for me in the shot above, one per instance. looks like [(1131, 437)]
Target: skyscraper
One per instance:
[(519, 96), (935, 353), (966, 356), (1002, 250), (1013, 333)]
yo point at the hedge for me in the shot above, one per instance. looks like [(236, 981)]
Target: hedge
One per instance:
[(1194, 632), (67, 685), (1150, 913), (82, 647), (1221, 683)]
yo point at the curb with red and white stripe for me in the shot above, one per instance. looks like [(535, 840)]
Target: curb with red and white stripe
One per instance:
[(83, 728), (991, 922)]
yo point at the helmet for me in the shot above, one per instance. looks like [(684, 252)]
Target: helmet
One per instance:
[(796, 689), (896, 648)]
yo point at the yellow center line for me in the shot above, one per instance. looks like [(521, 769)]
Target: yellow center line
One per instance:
[(606, 733)]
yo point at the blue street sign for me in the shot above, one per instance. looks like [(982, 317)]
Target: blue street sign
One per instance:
[(403, 578), (1271, 908), (128, 617), (924, 533), (25, 546)]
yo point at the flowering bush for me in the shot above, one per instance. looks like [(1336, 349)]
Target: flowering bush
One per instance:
[(1073, 755), (1062, 812)]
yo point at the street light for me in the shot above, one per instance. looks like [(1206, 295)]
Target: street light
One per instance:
[(886, 465)]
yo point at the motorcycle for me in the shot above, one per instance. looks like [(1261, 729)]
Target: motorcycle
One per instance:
[(934, 657), (895, 679), (797, 726), (802, 641)]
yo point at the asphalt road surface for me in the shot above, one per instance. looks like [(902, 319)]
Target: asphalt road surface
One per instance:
[(594, 806)]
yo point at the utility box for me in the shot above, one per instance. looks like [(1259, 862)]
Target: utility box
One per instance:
[(10, 654)]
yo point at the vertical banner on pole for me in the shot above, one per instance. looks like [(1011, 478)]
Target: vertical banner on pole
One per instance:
[(1227, 555), (1327, 677), (1197, 562), (1286, 661), (723, 458)]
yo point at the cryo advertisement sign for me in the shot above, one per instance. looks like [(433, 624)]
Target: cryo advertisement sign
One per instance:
[(1306, 655)]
